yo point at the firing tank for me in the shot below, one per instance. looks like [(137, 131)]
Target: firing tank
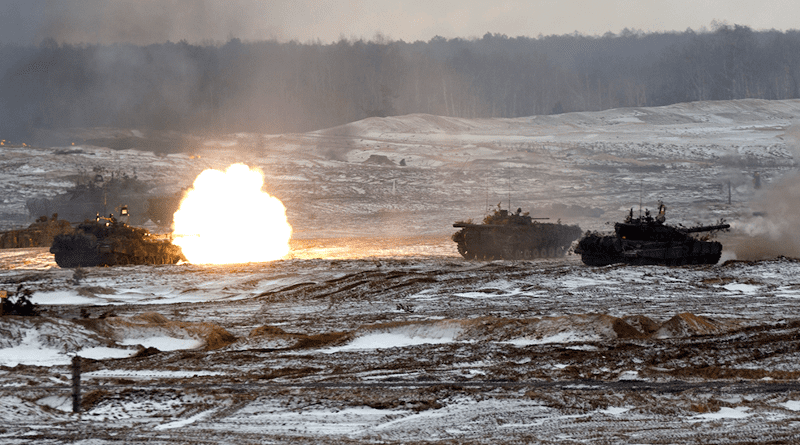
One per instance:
[(108, 242), (648, 241), (513, 236)]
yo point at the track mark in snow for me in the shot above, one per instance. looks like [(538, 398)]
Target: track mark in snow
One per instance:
[(184, 422)]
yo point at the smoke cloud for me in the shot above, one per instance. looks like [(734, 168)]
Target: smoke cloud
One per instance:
[(773, 232), (792, 138), (145, 22)]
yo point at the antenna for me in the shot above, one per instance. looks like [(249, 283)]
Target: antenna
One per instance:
[(486, 210), (508, 182), (729, 192), (641, 192)]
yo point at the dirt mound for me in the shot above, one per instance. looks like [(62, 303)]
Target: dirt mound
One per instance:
[(643, 324), (562, 329), (687, 325), (568, 328), (45, 332), (585, 326), (152, 324), (152, 318), (432, 329), (94, 291), (267, 330), (273, 337), (266, 337), (378, 160)]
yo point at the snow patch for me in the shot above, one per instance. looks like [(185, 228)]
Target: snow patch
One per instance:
[(60, 403), (747, 289), (65, 296), (129, 373), (102, 352), (626, 120), (791, 405), (186, 421), (614, 411), (403, 336), (724, 413), (385, 341), (629, 375), (31, 352), (561, 337)]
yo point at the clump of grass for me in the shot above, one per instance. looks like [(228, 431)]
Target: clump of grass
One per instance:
[(19, 303)]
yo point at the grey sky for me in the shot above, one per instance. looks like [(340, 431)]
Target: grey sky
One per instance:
[(150, 21)]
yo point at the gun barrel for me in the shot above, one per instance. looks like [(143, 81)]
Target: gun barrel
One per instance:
[(463, 224), (708, 228)]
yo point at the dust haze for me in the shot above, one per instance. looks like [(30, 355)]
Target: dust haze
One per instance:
[(148, 22), (772, 231)]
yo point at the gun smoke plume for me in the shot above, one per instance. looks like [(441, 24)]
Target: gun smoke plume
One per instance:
[(792, 138), (773, 231)]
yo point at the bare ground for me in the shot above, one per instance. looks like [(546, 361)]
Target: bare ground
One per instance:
[(538, 351), (393, 338)]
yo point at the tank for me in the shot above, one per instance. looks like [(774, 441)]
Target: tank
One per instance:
[(108, 242), (39, 234), (513, 236), (648, 241)]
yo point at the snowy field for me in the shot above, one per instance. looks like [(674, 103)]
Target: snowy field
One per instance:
[(374, 330)]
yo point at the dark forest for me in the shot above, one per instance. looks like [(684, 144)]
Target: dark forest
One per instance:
[(274, 87)]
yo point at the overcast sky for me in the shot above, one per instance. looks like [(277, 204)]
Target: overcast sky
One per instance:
[(203, 21)]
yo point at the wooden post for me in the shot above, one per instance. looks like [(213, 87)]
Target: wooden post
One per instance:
[(729, 192), (3, 296), (76, 384)]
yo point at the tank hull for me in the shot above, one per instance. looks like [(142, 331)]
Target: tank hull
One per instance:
[(95, 244), (605, 250), (648, 241), (515, 242)]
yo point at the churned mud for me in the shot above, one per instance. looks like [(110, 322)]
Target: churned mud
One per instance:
[(374, 330), (408, 349)]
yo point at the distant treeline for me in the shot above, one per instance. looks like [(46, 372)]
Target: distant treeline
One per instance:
[(274, 87)]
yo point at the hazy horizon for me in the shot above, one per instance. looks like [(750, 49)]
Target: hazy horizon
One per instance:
[(214, 21)]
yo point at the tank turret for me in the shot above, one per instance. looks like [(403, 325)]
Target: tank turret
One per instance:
[(109, 242), (647, 240), (511, 236)]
